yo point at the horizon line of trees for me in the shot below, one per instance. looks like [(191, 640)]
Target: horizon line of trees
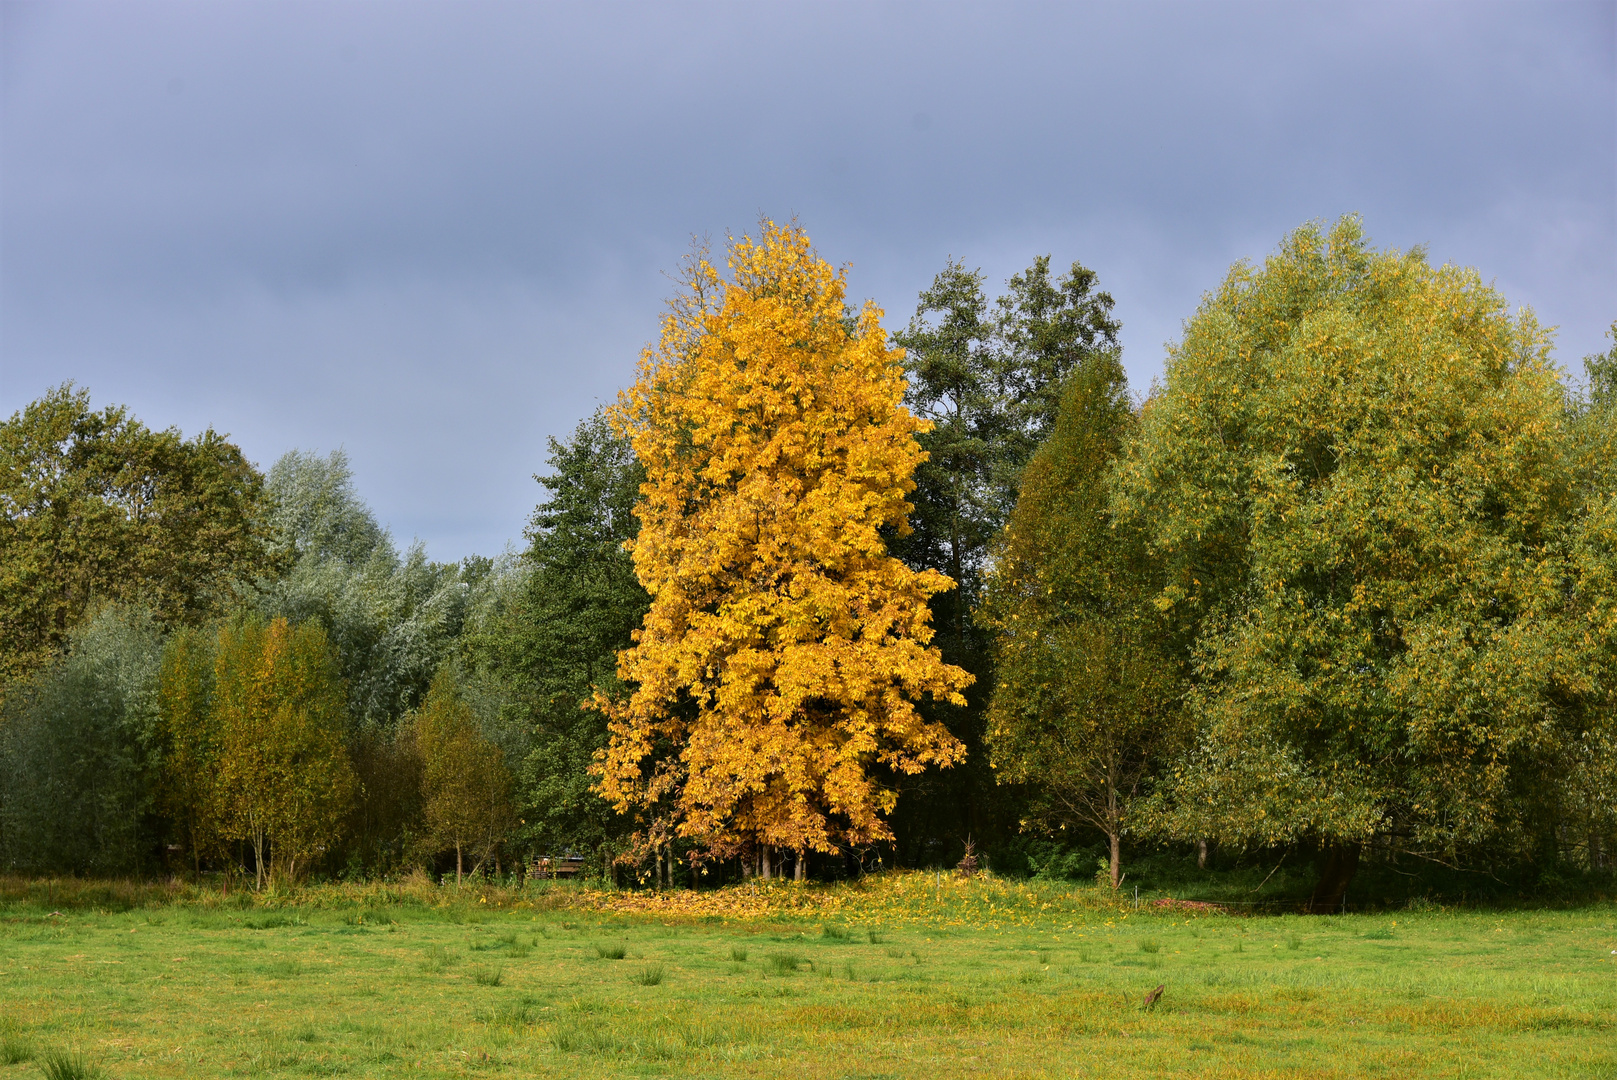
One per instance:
[(812, 595)]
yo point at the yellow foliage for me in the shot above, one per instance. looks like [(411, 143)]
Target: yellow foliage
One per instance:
[(785, 648)]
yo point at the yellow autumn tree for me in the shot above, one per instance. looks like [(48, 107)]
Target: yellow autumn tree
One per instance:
[(284, 780), (785, 650)]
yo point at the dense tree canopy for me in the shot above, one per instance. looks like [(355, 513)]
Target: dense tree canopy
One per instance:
[(284, 778), (1085, 707), (95, 507), (784, 647), (1357, 473), (557, 641)]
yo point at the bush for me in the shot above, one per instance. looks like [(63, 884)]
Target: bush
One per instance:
[(77, 760)]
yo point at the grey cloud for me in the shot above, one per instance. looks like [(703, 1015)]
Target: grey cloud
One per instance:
[(437, 233)]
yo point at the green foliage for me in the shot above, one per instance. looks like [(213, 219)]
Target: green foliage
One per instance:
[(557, 640), (465, 787), (1084, 708), (187, 792), (96, 507), (393, 619), (989, 378), (1356, 472), (284, 778), (77, 755)]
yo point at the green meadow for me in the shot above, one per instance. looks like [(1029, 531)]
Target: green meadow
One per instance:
[(484, 983)]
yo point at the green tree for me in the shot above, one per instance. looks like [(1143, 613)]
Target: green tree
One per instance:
[(466, 789), (557, 641), (392, 617), (1085, 707), (78, 759), (189, 739), (96, 507), (1356, 473), (988, 377), (1582, 785), (284, 778)]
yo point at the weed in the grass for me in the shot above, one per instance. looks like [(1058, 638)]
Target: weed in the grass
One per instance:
[(519, 950), (488, 976), (1031, 976), (14, 1050), (783, 963), (283, 969), (1380, 933), (650, 975), (738, 953), (57, 1065), (437, 960), (307, 1034), (1150, 946), (611, 952), (1044, 957), (834, 933), (896, 954), (519, 1013)]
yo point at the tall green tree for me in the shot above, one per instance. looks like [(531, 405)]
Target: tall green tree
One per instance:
[(1356, 472), (988, 377), (557, 641), (1084, 711), (1582, 785), (95, 507), (465, 786)]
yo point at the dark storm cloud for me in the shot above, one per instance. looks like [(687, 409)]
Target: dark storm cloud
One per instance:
[(435, 234)]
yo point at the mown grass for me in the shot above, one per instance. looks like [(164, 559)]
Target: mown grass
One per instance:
[(911, 977)]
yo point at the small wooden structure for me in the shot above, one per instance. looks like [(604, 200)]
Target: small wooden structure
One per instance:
[(551, 867)]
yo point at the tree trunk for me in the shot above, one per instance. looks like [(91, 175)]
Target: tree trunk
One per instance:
[(1117, 859), (457, 864), (1341, 860), (801, 864), (258, 858), (763, 862), (1201, 854)]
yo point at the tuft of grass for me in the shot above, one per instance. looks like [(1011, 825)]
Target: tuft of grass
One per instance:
[(1293, 942), (738, 953), (1044, 957), (14, 1050), (875, 938), (650, 975), (896, 954), (437, 960), (59, 1065), (783, 963), (271, 922), (1150, 945), (487, 976), (519, 1013), (832, 932), (611, 952), (1380, 933), (283, 969)]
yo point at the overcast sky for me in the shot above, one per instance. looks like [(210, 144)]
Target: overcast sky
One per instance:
[(434, 234)]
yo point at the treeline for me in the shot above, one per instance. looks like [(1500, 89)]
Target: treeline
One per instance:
[(1344, 583)]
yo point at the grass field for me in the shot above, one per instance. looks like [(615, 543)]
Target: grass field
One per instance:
[(911, 976)]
